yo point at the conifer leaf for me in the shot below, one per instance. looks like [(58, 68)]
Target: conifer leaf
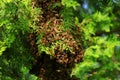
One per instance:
[(2, 49)]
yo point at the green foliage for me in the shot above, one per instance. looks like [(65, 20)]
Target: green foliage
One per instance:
[(2, 48), (99, 59), (16, 19), (68, 13), (101, 47), (71, 3), (98, 24)]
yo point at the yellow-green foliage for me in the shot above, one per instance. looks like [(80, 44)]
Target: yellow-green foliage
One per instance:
[(102, 46), (98, 25), (16, 19)]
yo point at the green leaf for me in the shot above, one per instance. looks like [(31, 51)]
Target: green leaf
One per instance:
[(70, 3), (2, 49)]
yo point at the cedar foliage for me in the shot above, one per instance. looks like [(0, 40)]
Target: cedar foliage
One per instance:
[(48, 39)]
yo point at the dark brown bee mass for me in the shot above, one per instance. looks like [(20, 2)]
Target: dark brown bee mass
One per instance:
[(59, 67)]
